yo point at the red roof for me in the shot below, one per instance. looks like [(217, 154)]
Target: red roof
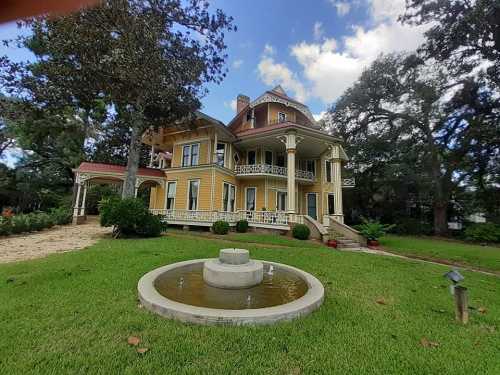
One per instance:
[(110, 168)]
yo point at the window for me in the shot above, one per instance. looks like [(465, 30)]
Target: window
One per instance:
[(280, 160), (249, 115), (268, 156), (171, 188), (281, 201), (250, 198), (328, 167), (220, 154), (311, 166), (281, 116), (194, 186), (331, 204), (236, 158), (228, 197), (190, 155), (251, 157)]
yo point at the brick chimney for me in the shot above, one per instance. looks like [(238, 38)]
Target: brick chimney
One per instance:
[(241, 102)]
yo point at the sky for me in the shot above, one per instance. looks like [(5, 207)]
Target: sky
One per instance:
[(314, 49)]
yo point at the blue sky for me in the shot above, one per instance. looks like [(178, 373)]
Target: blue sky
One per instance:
[(315, 49)]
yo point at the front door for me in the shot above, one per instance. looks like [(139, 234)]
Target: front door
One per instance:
[(311, 205)]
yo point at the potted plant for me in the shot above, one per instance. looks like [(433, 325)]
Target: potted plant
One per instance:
[(372, 230), (332, 243)]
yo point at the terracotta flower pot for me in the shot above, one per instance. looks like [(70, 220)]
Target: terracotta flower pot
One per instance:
[(332, 243), (373, 243)]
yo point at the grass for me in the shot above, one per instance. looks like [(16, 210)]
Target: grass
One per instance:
[(476, 256), (73, 312)]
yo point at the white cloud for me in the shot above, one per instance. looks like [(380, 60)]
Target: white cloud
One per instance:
[(318, 30), (386, 10), (237, 63), (319, 116), (342, 7), (269, 50), (231, 104)]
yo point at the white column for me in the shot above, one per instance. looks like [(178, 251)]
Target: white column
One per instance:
[(290, 150), (82, 210), (152, 155), (214, 153), (76, 208), (337, 186)]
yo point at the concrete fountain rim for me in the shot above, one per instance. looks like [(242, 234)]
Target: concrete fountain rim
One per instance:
[(152, 300)]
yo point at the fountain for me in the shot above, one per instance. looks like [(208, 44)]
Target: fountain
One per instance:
[(232, 289)]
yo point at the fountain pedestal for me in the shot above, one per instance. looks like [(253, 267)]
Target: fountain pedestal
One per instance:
[(233, 270)]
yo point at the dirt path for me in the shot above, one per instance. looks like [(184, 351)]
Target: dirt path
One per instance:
[(55, 240)]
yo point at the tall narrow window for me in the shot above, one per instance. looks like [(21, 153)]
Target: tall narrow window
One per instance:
[(220, 154), (331, 204), (251, 157), (311, 166), (171, 188), (281, 201), (190, 155), (280, 160), (328, 168), (281, 116), (228, 197), (268, 157), (250, 199), (193, 195)]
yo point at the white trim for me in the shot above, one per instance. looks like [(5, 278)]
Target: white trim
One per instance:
[(256, 161), (328, 203), (235, 194), (190, 161), (272, 156), (286, 199), (225, 161), (197, 195), (282, 113), (190, 141), (307, 204), (166, 193), (245, 205), (331, 172)]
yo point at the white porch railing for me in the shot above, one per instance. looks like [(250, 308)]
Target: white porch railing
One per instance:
[(252, 169), (348, 182), (267, 218)]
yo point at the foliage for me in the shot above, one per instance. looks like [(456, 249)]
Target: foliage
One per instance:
[(242, 226), (35, 221), (96, 193), (220, 227), (373, 229), (130, 217), (5, 226), (61, 215), (411, 226), (301, 232), (483, 232)]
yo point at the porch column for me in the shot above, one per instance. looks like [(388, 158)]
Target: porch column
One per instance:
[(82, 209), (76, 207), (151, 158), (290, 150), (337, 186)]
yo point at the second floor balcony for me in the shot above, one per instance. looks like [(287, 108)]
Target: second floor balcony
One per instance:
[(272, 170)]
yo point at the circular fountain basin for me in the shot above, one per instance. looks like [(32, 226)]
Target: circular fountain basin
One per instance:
[(179, 291), (233, 270)]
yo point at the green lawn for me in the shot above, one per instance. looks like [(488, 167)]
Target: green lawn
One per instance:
[(482, 257), (73, 312)]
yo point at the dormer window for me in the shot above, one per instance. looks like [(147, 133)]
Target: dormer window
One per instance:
[(281, 116)]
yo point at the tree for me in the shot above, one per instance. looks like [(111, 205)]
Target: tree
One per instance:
[(146, 59), (403, 103), (463, 33)]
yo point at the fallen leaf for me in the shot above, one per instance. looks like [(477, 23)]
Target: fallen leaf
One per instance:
[(133, 340), (142, 350), (381, 301), (428, 344), (482, 310)]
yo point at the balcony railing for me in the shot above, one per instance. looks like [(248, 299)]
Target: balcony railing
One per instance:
[(266, 218), (252, 169), (349, 182)]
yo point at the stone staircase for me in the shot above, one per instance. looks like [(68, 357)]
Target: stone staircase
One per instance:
[(346, 243)]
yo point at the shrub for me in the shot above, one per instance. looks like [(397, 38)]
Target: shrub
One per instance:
[(20, 223), (220, 227), (373, 229), (242, 226), (5, 226), (130, 217), (410, 226), (483, 232), (301, 232), (61, 215)]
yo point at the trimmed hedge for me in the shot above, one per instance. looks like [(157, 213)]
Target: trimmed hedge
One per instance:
[(242, 226), (220, 227), (35, 221), (130, 217), (301, 232)]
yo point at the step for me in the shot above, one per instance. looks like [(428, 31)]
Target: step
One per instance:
[(348, 245)]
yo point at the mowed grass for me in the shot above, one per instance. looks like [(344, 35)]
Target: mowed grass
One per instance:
[(73, 312), (481, 257)]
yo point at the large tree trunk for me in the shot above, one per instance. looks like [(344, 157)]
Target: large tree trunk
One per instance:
[(440, 218), (134, 154)]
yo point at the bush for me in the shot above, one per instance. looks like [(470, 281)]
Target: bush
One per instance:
[(301, 232), (220, 227), (130, 217), (242, 226), (5, 226), (373, 229), (484, 232), (410, 226), (61, 215), (20, 224)]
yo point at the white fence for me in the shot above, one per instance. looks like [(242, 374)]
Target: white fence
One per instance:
[(271, 169), (265, 218)]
